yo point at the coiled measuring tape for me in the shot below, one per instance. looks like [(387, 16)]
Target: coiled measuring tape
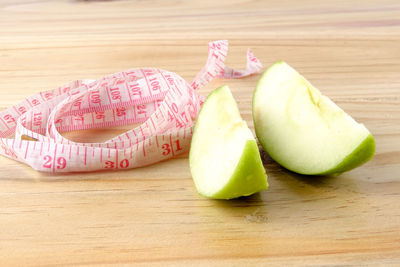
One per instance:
[(164, 104)]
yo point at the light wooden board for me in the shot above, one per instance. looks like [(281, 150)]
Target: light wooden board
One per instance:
[(153, 216)]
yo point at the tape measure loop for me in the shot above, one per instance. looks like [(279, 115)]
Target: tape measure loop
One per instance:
[(164, 104)]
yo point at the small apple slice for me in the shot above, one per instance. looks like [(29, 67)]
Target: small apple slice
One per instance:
[(303, 130), (224, 158)]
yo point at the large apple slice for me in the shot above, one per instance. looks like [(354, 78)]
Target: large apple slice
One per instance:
[(224, 158), (303, 130)]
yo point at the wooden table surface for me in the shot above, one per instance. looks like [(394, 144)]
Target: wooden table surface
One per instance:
[(153, 216)]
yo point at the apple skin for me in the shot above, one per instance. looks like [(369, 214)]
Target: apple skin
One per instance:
[(363, 153), (249, 176), (360, 155)]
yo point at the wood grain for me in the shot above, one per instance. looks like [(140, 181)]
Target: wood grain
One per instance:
[(153, 216)]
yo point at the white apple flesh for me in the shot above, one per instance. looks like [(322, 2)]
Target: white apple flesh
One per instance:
[(224, 158), (303, 130)]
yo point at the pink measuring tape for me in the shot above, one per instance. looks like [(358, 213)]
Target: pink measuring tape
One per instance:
[(163, 102)]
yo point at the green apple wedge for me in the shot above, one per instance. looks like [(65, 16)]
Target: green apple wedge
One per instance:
[(303, 130), (224, 158)]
